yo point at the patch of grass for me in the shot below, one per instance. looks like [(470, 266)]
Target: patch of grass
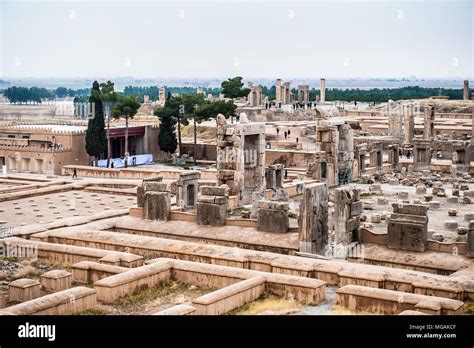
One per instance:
[(469, 308), (93, 311), (52, 265), (145, 295), (9, 258), (26, 272), (268, 304)]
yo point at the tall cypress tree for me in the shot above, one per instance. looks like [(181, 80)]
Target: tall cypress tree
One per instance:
[(96, 140), (166, 136)]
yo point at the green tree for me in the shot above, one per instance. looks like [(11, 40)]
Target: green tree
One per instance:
[(108, 97), (232, 88), (126, 107), (167, 134), (95, 135)]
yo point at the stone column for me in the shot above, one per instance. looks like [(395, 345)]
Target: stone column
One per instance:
[(466, 90), (161, 96), (408, 124), (278, 91), (322, 91), (157, 204), (428, 130), (313, 219)]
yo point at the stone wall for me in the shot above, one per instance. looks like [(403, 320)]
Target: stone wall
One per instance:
[(272, 216), (212, 205), (313, 219), (347, 210), (381, 301), (408, 227)]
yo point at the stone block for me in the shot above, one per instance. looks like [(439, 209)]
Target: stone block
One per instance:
[(406, 236), (402, 195), (469, 216), (420, 189), (271, 220), (428, 198), (211, 214), (56, 280), (24, 289), (382, 201), (152, 186), (272, 205), (157, 205), (222, 190), (453, 200), (411, 209), (451, 225), (452, 212), (356, 208), (434, 205)]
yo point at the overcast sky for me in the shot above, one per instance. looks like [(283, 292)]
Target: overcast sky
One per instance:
[(156, 38)]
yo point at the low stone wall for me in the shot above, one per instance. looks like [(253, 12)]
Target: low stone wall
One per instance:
[(231, 297), (133, 281), (325, 270), (88, 272), (70, 254), (381, 301), (70, 301), (367, 236), (120, 173)]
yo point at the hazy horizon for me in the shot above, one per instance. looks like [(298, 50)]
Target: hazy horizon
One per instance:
[(209, 39)]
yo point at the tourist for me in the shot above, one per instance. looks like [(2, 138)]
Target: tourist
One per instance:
[(278, 131), (408, 154), (439, 154), (286, 134), (289, 133), (74, 173), (297, 139)]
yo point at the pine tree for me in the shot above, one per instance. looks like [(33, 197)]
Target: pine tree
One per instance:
[(96, 141)]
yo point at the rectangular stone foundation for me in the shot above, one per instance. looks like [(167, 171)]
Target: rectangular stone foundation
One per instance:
[(22, 290), (231, 297), (381, 301), (70, 301), (56, 280)]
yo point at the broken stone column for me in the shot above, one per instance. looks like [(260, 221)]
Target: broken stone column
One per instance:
[(141, 188), (157, 202), (393, 156), (212, 205), (322, 91), (466, 90), (241, 158), (313, 219), (272, 216), (408, 124), (347, 210), (408, 227), (429, 119)]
